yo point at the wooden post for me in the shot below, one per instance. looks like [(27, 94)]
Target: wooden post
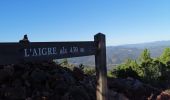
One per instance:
[(101, 69)]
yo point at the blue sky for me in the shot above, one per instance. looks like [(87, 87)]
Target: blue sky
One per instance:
[(123, 21)]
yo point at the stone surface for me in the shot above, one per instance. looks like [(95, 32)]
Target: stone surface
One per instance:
[(163, 96), (49, 81)]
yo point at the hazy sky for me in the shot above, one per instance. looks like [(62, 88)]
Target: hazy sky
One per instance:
[(123, 21)]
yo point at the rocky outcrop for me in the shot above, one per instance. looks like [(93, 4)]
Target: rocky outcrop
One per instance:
[(49, 81), (163, 96), (44, 81), (133, 89)]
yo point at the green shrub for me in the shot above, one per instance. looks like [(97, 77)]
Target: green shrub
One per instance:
[(89, 71), (149, 70)]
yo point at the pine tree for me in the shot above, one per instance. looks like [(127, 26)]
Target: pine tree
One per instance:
[(165, 57), (145, 56)]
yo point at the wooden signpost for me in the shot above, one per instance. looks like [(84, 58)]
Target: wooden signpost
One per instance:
[(25, 51)]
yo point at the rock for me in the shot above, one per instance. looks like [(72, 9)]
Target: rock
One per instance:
[(90, 89), (116, 96), (78, 74), (61, 88), (28, 98), (3, 75), (132, 88), (18, 93), (38, 81), (6, 74), (17, 83), (163, 96), (38, 75), (69, 79), (48, 81), (76, 93), (19, 67)]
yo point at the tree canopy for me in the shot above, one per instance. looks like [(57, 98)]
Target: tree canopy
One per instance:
[(146, 68)]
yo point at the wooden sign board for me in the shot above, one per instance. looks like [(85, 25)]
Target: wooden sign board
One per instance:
[(11, 53), (40, 51)]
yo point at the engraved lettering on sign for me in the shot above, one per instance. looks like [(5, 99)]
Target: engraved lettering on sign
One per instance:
[(34, 52), (44, 51), (49, 51), (26, 53), (74, 50), (71, 50), (40, 52), (54, 51), (63, 50)]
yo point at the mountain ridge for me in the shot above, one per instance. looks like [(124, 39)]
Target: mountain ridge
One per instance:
[(152, 43), (118, 54)]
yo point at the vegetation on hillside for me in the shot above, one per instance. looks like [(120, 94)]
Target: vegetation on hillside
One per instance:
[(154, 71)]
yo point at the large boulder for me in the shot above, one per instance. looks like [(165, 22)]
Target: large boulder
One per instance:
[(132, 88)]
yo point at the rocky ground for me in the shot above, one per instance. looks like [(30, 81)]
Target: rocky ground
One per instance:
[(48, 81)]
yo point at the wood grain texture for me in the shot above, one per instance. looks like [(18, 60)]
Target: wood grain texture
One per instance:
[(101, 69), (11, 53)]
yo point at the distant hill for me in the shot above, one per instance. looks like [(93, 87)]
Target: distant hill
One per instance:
[(118, 54), (148, 45)]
